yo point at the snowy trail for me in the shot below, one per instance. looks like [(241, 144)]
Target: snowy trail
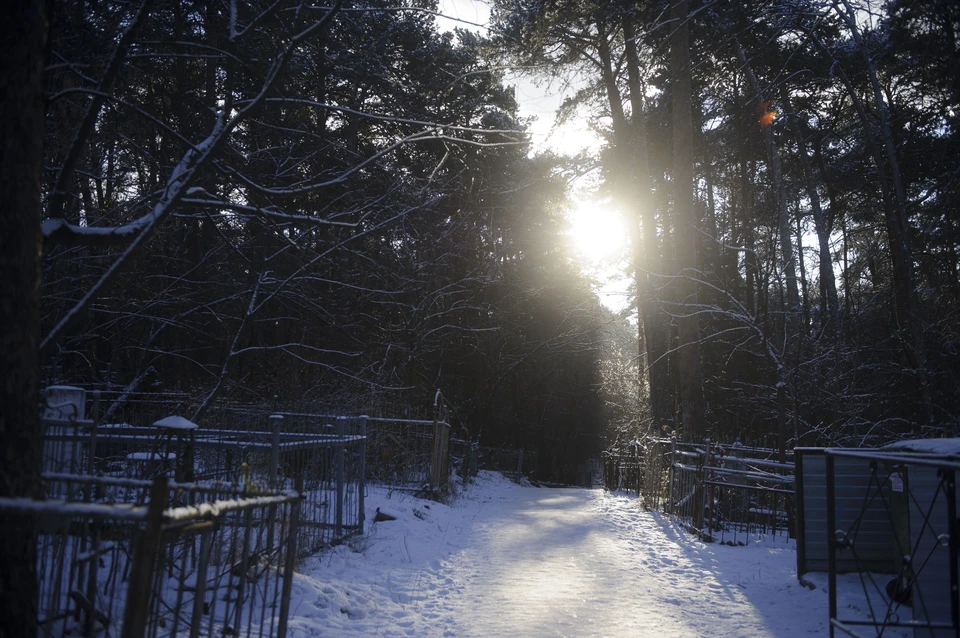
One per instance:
[(550, 565), (578, 563), (506, 560)]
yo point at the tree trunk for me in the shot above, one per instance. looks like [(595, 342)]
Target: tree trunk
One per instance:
[(745, 235), (24, 31), (898, 228), (893, 203), (646, 255), (828, 285), (804, 294), (690, 375), (783, 218)]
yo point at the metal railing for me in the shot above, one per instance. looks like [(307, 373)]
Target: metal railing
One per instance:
[(118, 439), (464, 458), (623, 470), (411, 454), (330, 462), (510, 462), (917, 493), (175, 529), (157, 558), (725, 493)]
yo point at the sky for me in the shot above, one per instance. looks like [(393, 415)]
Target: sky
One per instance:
[(535, 99), (598, 233)]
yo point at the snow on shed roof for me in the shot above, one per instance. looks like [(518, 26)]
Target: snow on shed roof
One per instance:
[(150, 456), (176, 423), (946, 447)]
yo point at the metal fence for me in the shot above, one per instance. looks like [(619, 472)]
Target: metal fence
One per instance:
[(400, 451), (140, 558), (623, 470), (918, 498), (748, 493), (405, 453), (725, 493), (464, 458), (509, 462), (248, 446), (412, 453), (161, 527), (262, 455)]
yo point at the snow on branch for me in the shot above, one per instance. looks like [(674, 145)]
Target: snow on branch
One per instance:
[(180, 178)]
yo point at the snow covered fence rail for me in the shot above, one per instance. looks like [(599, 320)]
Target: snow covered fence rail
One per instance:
[(725, 493), (176, 559)]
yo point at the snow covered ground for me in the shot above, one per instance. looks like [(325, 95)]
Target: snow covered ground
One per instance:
[(506, 560)]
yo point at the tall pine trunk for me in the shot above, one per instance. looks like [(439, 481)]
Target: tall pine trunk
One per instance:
[(646, 251), (783, 217), (828, 285), (791, 326), (24, 31), (690, 380), (896, 217)]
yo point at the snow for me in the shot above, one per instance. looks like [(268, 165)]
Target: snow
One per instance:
[(176, 423), (511, 560), (947, 447), (65, 509), (216, 508), (150, 456)]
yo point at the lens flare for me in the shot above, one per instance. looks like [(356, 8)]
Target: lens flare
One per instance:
[(766, 115)]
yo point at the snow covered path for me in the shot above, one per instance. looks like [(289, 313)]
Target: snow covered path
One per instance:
[(583, 563), (506, 560)]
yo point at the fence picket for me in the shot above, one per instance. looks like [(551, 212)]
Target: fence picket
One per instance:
[(146, 550)]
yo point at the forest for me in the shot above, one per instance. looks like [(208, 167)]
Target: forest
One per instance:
[(790, 172), (335, 206)]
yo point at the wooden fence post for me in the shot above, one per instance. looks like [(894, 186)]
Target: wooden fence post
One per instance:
[(445, 452), (706, 500), (276, 421), (95, 417), (440, 450), (434, 453), (244, 567)]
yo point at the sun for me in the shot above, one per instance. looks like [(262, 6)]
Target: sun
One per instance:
[(598, 234)]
